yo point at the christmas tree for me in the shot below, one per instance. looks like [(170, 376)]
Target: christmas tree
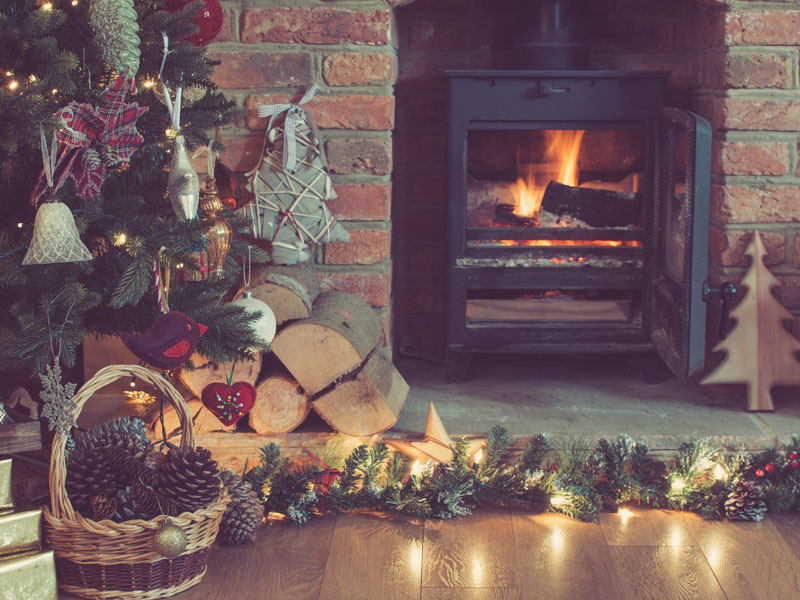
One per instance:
[(70, 57), (761, 353)]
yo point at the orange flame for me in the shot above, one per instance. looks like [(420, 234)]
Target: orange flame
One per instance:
[(562, 151)]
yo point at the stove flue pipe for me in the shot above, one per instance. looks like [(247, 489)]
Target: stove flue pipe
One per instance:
[(550, 36)]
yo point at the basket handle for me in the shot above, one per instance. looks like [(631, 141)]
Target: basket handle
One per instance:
[(60, 505)]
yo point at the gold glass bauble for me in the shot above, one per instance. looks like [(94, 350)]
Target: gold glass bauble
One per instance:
[(218, 237), (209, 198), (170, 540)]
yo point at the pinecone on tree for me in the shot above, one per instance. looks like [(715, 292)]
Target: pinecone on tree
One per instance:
[(189, 478), (745, 502), (244, 513)]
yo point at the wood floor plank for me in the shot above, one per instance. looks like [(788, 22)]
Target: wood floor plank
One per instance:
[(285, 563), (374, 556), (645, 527), (789, 526), (562, 559), (665, 573), (752, 561), (473, 551), (471, 594)]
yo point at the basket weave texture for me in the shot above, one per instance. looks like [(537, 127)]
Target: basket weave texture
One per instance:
[(104, 559)]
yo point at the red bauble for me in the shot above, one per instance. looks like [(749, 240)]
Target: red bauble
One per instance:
[(794, 464), (229, 403), (793, 456), (208, 20), (759, 472), (769, 467)]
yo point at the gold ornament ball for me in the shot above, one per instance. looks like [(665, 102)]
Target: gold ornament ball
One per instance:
[(170, 540)]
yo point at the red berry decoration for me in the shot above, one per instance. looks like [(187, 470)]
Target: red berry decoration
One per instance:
[(759, 472), (208, 20), (229, 403), (795, 464), (769, 467), (793, 456)]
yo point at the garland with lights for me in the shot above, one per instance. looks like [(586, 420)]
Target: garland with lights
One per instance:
[(577, 481)]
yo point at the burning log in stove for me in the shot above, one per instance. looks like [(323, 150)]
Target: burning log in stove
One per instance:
[(595, 207)]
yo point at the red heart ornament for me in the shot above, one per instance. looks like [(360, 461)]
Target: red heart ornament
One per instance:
[(229, 403)]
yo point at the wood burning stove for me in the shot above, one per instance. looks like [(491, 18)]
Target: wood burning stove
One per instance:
[(610, 259)]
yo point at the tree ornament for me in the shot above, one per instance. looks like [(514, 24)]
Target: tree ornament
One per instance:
[(243, 515), (168, 343), (208, 20), (769, 467), (229, 403), (59, 403), (795, 464), (760, 352), (189, 96), (116, 31), (793, 456), (169, 540), (760, 472), (265, 326), (290, 185), (745, 502), (183, 185), (218, 237), (435, 446), (55, 237)]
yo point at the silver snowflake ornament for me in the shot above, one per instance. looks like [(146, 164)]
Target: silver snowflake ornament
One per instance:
[(59, 402)]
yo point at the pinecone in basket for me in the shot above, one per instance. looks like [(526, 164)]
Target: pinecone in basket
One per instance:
[(127, 506), (103, 507), (89, 474), (128, 432), (190, 478), (139, 501), (131, 468), (244, 513), (745, 502)]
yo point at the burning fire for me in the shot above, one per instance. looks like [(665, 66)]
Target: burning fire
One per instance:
[(562, 151)]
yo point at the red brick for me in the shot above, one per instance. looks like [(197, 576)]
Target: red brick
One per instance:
[(318, 25), (366, 247), (797, 171), (370, 157), (678, 67), (373, 287), (751, 158), (332, 112), (758, 70), (451, 35), (225, 32), (728, 247), (358, 69), (767, 26), (362, 201), (797, 250), (701, 29), (242, 154), (257, 69), (753, 115), (767, 204)]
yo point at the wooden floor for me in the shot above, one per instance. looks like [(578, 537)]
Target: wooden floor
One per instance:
[(497, 554)]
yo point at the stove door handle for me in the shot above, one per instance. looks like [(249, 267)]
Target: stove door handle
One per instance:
[(543, 90), (728, 292)]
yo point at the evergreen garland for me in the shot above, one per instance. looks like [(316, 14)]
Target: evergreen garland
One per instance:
[(576, 481)]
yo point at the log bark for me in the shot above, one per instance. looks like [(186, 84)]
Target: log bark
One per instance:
[(341, 332), (368, 403), (281, 405), (597, 208), (289, 291), (204, 420), (206, 372)]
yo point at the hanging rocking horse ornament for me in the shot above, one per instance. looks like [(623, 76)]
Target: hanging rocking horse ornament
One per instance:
[(291, 185)]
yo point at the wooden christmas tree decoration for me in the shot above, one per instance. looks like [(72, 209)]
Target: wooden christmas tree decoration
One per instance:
[(760, 352)]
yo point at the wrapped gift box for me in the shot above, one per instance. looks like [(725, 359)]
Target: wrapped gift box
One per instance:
[(28, 576), (20, 532)]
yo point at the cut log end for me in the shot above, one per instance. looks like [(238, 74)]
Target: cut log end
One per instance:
[(206, 372), (366, 404), (281, 405)]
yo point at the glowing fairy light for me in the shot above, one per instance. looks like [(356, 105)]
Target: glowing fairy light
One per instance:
[(558, 500), (416, 469), (148, 83), (478, 456), (47, 6), (719, 473), (120, 239), (13, 84), (74, 2), (678, 485), (32, 78), (20, 225)]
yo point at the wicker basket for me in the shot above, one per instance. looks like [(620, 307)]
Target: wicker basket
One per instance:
[(104, 559)]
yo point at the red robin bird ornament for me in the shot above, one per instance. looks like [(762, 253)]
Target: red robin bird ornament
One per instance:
[(168, 343)]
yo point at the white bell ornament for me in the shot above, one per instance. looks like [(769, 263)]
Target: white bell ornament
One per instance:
[(265, 326)]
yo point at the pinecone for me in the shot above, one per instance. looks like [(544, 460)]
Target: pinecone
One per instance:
[(103, 507), (127, 432), (244, 513), (132, 469), (90, 474), (745, 502), (127, 507), (190, 478)]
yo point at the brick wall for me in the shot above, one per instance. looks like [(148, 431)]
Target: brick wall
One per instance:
[(270, 52)]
